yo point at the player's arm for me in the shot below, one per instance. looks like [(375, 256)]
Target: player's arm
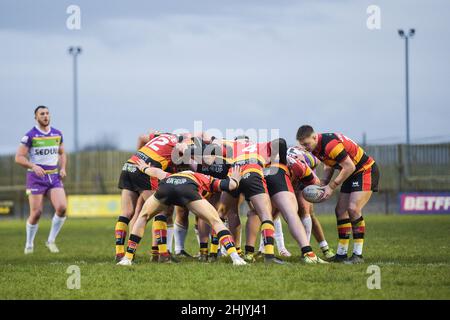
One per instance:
[(22, 159), (327, 174), (229, 184), (62, 161), (151, 171), (347, 168), (142, 140)]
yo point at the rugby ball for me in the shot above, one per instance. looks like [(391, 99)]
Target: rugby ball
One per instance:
[(313, 193)]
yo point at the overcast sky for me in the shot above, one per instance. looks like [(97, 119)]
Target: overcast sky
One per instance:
[(232, 64)]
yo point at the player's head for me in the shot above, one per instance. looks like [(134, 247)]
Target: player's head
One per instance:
[(42, 115), (242, 138), (306, 137)]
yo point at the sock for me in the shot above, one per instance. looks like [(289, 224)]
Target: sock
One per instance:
[(160, 233), (121, 234), (344, 230), (196, 233), (226, 239), (133, 243), (324, 245), (249, 249), (261, 244), (278, 234), (180, 237), (169, 237), (31, 233), (238, 250), (57, 223), (358, 228), (214, 248), (155, 251), (203, 248), (307, 223), (306, 250), (267, 231)]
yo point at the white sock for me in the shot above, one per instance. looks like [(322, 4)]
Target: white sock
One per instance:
[(196, 234), (31, 233), (307, 223), (169, 237), (234, 256), (323, 244), (261, 244), (180, 237), (278, 234), (57, 223)]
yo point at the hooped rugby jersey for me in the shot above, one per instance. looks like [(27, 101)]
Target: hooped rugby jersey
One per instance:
[(158, 151), (206, 184), (333, 148)]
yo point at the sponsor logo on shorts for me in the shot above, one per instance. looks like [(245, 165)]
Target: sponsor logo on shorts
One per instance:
[(355, 184)]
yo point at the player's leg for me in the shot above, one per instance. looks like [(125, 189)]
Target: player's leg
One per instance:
[(58, 200), (204, 232), (263, 208), (286, 202), (319, 235), (180, 231), (128, 204), (357, 202), (344, 227), (229, 209), (170, 228), (204, 210), (252, 228), (312, 225), (36, 202), (278, 236), (214, 245), (151, 208)]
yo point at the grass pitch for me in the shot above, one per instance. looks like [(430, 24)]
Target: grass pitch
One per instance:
[(413, 253)]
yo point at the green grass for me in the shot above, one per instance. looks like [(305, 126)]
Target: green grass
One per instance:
[(412, 252)]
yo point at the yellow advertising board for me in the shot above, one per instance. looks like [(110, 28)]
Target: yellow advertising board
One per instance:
[(93, 206)]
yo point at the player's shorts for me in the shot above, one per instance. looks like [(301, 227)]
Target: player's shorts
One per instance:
[(252, 184), (41, 185), (277, 180), (366, 180), (131, 178), (177, 194)]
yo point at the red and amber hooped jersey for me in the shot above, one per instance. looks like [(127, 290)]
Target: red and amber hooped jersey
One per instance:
[(251, 156), (333, 148), (206, 184), (158, 151)]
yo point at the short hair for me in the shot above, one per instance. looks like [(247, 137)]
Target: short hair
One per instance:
[(39, 107), (242, 137), (304, 132)]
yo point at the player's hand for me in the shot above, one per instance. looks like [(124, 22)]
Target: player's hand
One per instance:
[(142, 165), (236, 173), (327, 192), (62, 173), (38, 170)]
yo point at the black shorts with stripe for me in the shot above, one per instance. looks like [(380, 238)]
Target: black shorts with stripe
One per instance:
[(131, 178), (277, 181), (178, 191), (366, 180)]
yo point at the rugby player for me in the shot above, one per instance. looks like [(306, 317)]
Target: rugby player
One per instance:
[(306, 209), (253, 157), (40, 151), (186, 189), (358, 177), (157, 152), (281, 191)]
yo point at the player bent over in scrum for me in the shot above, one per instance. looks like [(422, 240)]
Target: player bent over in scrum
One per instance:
[(186, 189)]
